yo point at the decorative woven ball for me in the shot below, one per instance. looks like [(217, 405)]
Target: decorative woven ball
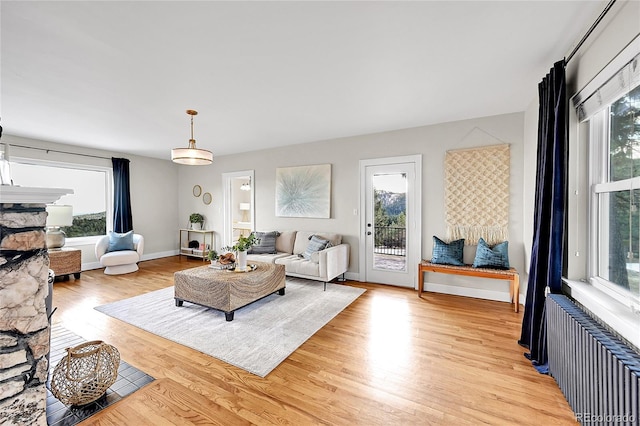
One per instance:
[(85, 373)]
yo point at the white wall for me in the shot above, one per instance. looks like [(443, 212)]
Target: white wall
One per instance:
[(154, 192), (344, 155)]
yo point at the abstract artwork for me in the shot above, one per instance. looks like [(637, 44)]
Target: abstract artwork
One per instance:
[(303, 191)]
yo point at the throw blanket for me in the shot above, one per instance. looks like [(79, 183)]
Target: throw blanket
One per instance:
[(477, 194)]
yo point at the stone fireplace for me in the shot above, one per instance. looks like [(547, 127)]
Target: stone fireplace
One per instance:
[(24, 325)]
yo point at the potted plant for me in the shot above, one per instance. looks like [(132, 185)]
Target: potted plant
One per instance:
[(196, 220), (240, 248), (212, 256)]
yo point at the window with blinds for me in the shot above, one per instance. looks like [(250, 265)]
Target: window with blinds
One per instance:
[(611, 107)]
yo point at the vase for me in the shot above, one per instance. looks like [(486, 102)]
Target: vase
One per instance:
[(196, 226), (241, 261)]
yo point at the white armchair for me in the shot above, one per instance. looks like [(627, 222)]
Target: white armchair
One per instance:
[(119, 262)]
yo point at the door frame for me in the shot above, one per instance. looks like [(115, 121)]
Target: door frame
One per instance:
[(227, 232), (414, 251)]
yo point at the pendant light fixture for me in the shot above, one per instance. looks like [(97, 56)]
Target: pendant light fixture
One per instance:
[(191, 156)]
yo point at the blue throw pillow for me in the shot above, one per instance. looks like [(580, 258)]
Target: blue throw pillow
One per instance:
[(447, 254), (315, 244), (496, 257), (119, 242)]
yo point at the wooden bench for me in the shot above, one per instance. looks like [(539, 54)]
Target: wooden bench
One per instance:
[(510, 275)]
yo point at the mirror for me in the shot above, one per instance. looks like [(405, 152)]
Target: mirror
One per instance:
[(197, 190), (206, 198)]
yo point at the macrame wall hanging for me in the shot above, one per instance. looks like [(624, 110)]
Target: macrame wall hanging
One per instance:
[(477, 194)]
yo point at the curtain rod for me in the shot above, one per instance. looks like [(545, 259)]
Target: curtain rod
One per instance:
[(589, 31), (47, 150)]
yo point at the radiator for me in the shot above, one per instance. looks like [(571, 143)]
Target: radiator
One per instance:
[(598, 374)]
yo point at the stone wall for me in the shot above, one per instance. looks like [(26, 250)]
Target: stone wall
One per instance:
[(24, 326)]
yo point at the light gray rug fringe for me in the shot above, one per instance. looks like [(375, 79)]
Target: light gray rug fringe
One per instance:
[(260, 337)]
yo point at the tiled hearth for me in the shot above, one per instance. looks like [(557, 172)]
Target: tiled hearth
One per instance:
[(130, 379)]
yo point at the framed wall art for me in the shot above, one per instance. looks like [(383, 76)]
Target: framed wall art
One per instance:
[(304, 191)]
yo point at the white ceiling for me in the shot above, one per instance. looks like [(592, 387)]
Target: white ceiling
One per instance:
[(120, 75)]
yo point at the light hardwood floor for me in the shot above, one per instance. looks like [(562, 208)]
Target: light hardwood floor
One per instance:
[(387, 359)]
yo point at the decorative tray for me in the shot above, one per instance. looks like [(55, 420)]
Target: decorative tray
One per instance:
[(221, 267), (249, 268)]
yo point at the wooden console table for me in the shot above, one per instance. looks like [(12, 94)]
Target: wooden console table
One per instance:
[(66, 261), (510, 275)]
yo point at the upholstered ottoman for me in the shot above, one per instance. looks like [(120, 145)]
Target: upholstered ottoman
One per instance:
[(226, 290)]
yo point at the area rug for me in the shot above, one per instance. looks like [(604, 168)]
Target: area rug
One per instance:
[(262, 334)]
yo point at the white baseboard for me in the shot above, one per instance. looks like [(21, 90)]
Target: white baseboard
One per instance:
[(90, 265), (161, 254), (478, 293), (96, 265), (353, 276)]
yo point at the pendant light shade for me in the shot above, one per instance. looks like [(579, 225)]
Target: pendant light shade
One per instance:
[(191, 156)]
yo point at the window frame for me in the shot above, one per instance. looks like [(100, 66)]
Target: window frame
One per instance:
[(108, 184), (599, 127)]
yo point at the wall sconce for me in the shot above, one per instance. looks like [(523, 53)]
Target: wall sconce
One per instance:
[(246, 186)]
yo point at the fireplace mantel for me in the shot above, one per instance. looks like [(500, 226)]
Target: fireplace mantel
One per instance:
[(30, 195)]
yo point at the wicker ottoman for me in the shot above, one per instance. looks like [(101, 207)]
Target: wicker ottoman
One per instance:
[(227, 291)]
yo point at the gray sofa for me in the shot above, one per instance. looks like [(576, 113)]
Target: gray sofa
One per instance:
[(324, 265)]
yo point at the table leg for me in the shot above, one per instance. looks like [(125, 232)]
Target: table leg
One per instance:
[(420, 280)]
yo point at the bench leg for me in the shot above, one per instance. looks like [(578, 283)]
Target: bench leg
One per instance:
[(420, 281), (229, 315), (516, 293)]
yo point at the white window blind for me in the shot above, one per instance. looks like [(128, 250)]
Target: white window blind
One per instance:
[(618, 78), (618, 85)]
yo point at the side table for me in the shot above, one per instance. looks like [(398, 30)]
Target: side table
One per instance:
[(65, 261)]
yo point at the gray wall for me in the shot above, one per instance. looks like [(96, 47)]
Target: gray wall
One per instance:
[(344, 155), (154, 191)]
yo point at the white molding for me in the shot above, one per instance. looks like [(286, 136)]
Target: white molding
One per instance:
[(31, 195), (476, 293), (618, 316), (227, 218), (96, 265), (90, 265), (160, 254), (416, 224), (353, 276)]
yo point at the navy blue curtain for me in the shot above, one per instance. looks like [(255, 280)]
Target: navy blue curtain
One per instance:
[(122, 220), (547, 261)]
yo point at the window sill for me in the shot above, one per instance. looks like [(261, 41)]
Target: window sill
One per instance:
[(82, 241), (618, 316)]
